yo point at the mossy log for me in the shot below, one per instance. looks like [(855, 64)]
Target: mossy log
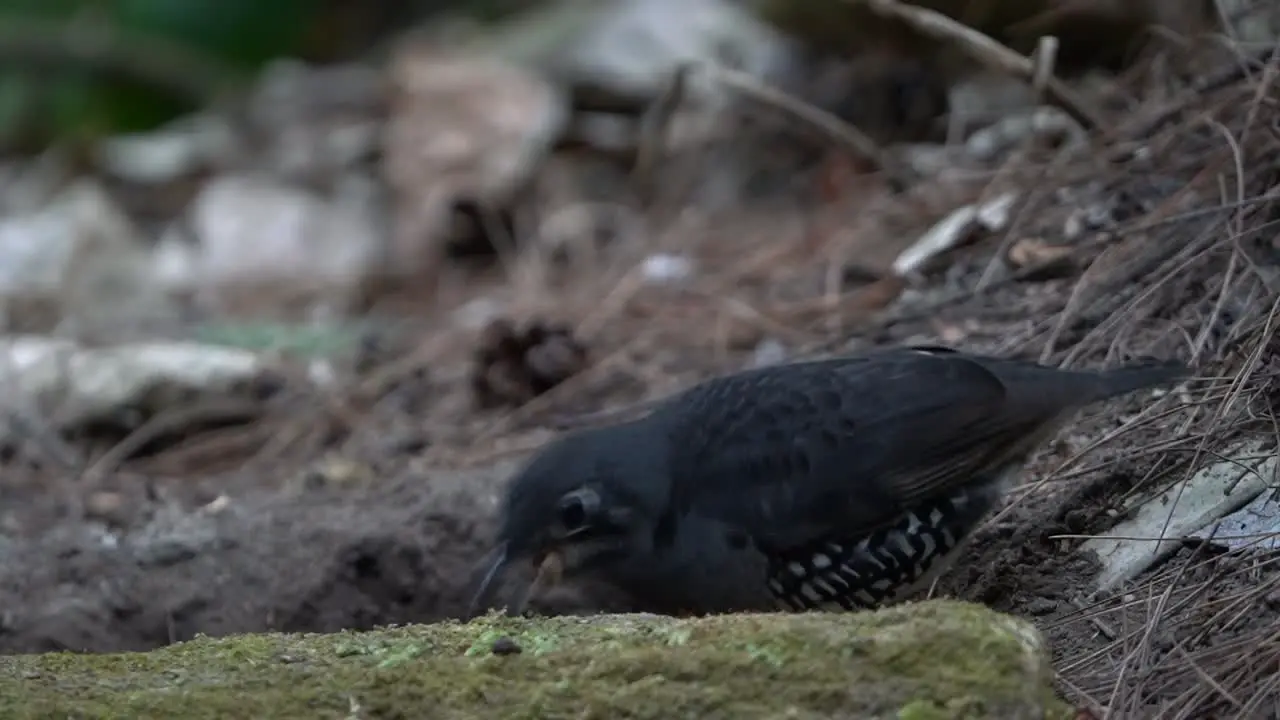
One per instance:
[(937, 659)]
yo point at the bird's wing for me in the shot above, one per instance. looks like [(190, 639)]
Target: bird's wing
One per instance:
[(791, 453)]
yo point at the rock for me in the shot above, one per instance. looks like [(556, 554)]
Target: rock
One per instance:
[(178, 149), (79, 384), (106, 507), (506, 646), (632, 47), (84, 259), (768, 352), (1186, 508), (617, 56), (477, 313), (255, 232), (938, 659), (666, 268)]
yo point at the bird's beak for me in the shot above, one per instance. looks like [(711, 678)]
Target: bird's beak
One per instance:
[(550, 570), (497, 564)]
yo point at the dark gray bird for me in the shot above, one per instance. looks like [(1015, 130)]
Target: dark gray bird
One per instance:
[(856, 478)]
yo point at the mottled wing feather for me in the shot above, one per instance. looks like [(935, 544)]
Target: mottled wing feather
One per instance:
[(791, 453)]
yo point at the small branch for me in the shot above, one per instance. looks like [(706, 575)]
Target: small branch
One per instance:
[(986, 51), (167, 422), (651, 146), (1042, 62)]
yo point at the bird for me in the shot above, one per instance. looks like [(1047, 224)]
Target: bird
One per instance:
[(857, 478)]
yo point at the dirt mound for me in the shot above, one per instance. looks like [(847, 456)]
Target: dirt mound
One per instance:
[(319, 560)]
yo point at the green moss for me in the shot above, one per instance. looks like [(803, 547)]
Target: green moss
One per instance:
[(915, 662)]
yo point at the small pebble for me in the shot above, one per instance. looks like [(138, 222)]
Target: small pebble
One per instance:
[(107, 507), (405, 442), (665, 268), (478, 313), (768, 352), (506, 646)]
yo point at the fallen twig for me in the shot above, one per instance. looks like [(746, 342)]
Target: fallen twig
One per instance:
[(987, 51), (664, 108), (654, 126)]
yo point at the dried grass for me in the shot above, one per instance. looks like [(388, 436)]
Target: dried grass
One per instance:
[(1192, 271)]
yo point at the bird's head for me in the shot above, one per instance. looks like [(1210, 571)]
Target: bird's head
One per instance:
[(584, 501)]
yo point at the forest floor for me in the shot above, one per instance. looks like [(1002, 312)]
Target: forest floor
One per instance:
[(373, 505)]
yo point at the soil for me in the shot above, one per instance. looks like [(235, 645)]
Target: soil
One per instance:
[(316, 556), (393, 540)]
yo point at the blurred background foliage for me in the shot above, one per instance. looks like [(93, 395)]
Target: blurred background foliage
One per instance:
[(74, 70)]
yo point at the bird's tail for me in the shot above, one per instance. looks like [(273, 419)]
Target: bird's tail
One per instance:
[(1138, 376)]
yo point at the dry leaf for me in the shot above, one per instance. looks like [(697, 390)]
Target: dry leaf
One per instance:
[(1045, 261)]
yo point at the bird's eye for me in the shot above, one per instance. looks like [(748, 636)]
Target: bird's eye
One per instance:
[(577, 508)]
